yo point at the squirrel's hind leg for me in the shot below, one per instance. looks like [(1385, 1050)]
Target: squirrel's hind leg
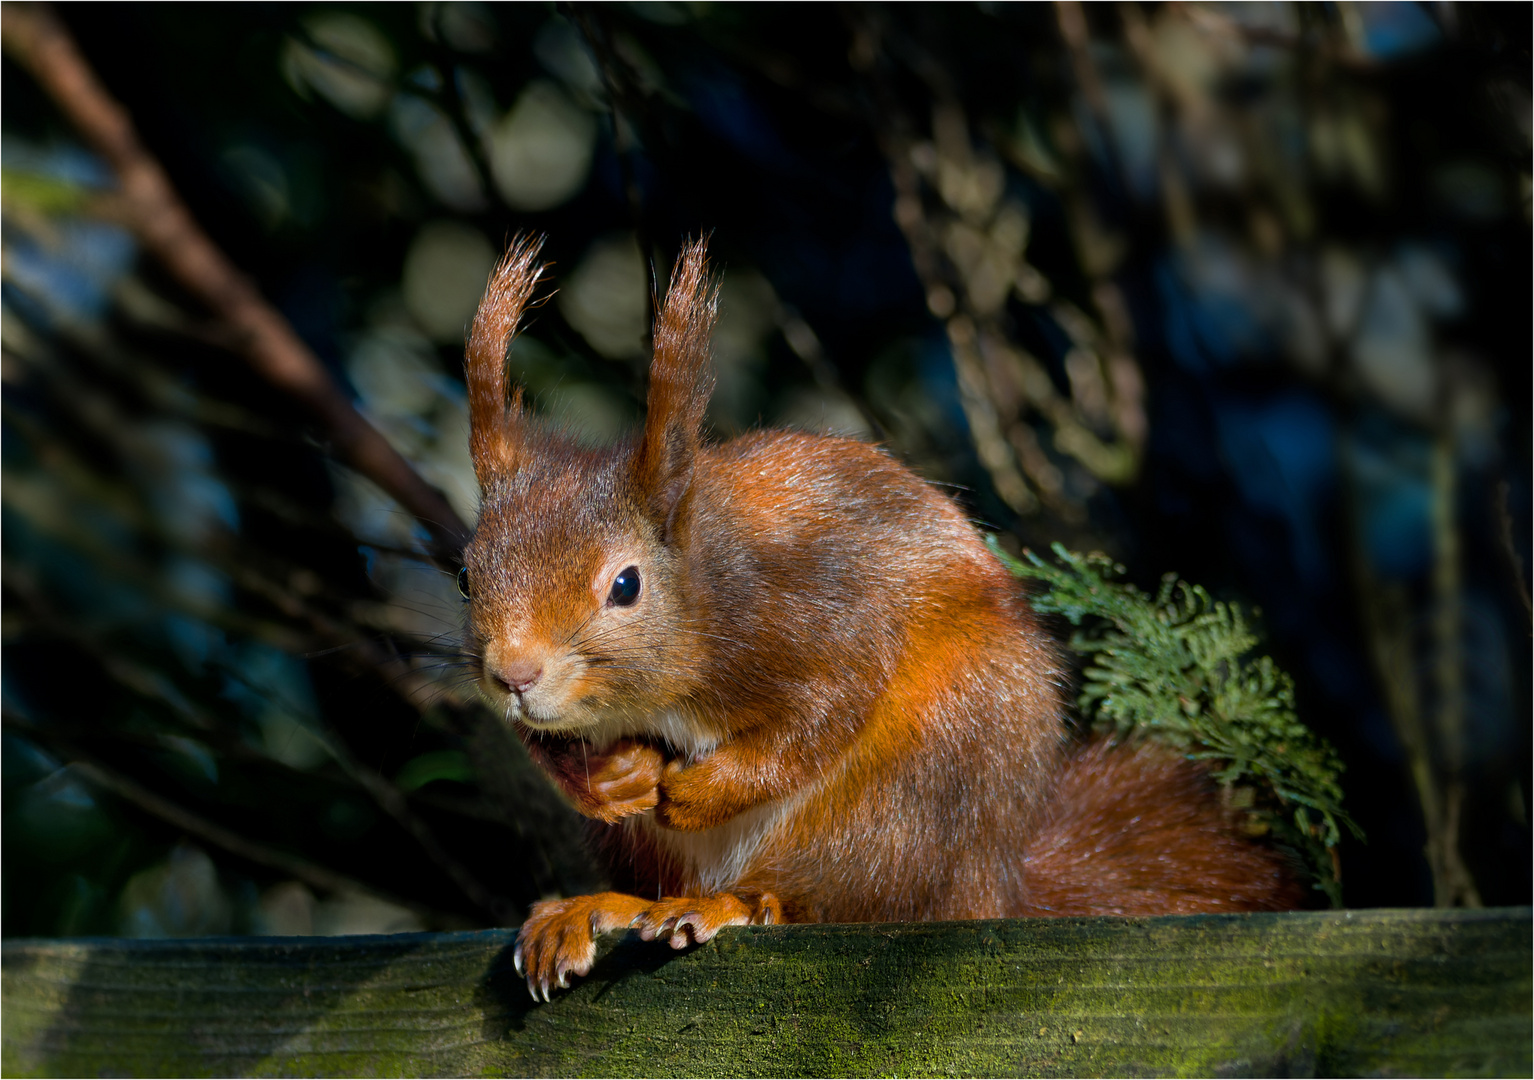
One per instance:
[(559, 937)]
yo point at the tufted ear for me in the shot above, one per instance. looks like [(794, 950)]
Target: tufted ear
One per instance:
[(681, 381), (495, 424)]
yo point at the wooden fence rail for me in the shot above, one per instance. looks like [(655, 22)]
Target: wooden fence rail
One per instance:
[(1423, 993)]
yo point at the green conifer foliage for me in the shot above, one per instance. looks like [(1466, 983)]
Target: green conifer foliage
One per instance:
[(1174, 667)]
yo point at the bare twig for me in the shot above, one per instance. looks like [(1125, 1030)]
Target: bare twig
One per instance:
[(393, 802), (1449, 674), (309, 873), (1218, 24), (968, 248), (896, 135), (35, 38), (132, 791), (1509, 549), (389, 798), (1431, 743)]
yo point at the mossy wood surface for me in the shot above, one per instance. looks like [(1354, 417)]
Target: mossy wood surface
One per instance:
[(1421, 993)]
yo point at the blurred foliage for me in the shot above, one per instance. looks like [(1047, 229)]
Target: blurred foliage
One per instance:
[(1174, 667), (1238, 289)]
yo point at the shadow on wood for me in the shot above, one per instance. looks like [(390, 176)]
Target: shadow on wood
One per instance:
[(1411, 992)]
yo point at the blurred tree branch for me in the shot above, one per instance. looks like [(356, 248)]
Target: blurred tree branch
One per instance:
[(392, 671), (1153, 239), (625, 111), (306, 625), (968, 237), (164, 225), (1510, 549), (131, 791)]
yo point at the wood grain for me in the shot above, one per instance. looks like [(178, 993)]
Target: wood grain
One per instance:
[(1410, 992)]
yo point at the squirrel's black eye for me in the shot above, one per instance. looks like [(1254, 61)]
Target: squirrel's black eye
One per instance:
[(625, 587), (463, 581)]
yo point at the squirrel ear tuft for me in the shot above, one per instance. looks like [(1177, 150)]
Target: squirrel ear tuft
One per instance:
[(494, 422), (681, 381)]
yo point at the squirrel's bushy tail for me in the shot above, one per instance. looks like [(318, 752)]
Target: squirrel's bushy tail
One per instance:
[(1140, 830)]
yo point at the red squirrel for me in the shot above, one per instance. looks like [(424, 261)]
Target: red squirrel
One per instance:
[(788, 682)]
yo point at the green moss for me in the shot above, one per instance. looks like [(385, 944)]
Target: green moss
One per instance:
[(1331, 993)]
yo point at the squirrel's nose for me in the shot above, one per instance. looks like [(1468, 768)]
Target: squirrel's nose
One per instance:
[(519, 675)]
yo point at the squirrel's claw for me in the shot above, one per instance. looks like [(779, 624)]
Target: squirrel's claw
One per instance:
[(687, 926), (695, 920), (559, 938)]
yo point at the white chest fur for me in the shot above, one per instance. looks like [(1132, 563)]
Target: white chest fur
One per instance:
[(713, 860)]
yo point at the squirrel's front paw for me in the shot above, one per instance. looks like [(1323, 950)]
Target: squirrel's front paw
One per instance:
[(693, 797), (614, 783), (695, 920), (559, 938)]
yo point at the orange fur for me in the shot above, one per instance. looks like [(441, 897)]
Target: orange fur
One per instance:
[(827, 701), (1142, 831)]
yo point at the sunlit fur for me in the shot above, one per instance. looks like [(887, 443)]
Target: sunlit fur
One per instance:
[(857, 714), (511, 287)]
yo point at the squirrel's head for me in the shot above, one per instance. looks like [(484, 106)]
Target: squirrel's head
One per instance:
[(575, 579)]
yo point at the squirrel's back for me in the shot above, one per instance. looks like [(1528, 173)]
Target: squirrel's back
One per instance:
[(832, 549)]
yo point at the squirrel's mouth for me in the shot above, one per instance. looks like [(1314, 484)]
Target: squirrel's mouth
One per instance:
[(538, 715), (512, 707), (530, 719)]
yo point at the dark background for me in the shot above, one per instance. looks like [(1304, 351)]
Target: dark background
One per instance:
[(1237, 293)]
